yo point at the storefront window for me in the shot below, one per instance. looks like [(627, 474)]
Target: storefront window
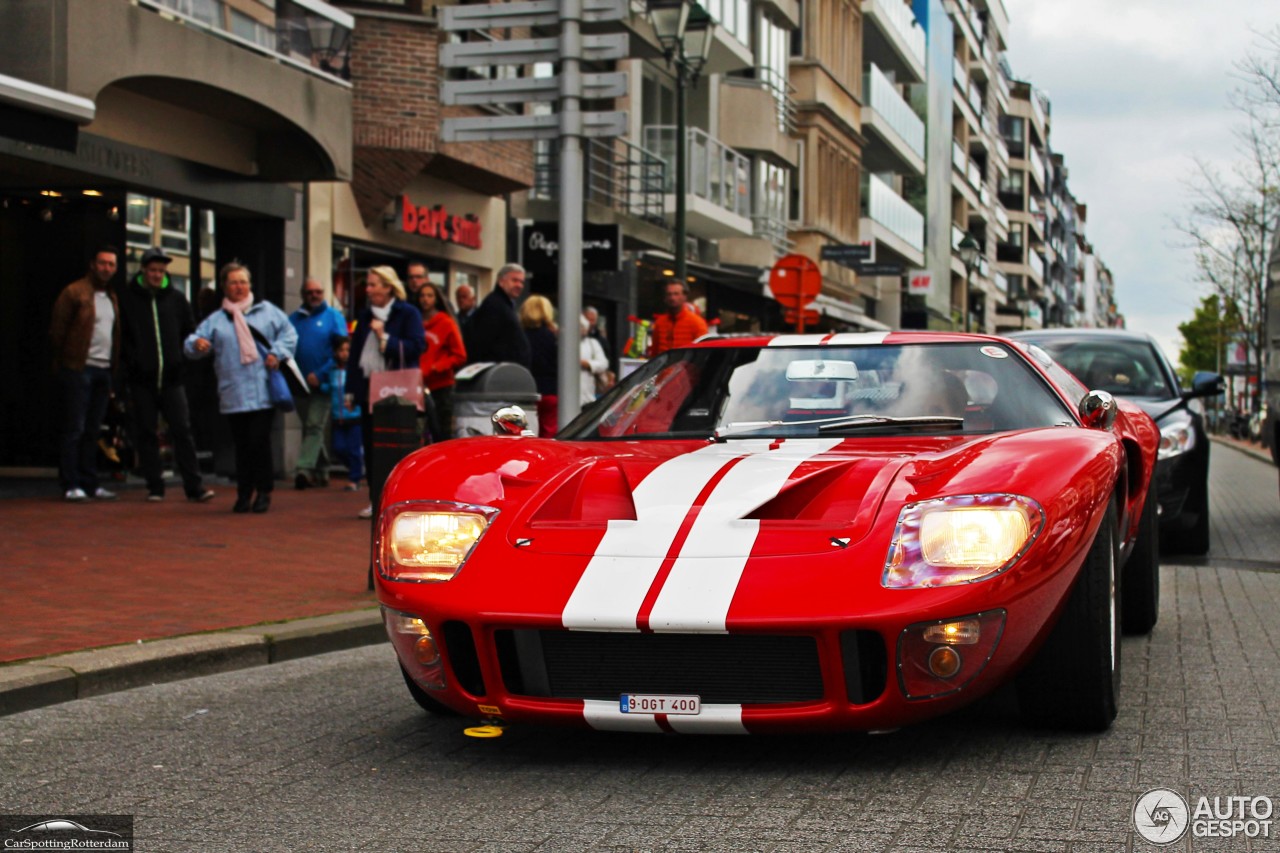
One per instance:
[(175, 227), (171, 226)]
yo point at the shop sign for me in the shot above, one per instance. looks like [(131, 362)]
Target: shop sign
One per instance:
[(540, 248), (438, 223)]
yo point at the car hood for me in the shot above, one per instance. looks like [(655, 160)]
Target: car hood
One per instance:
[(1159, 410), (765, 497)]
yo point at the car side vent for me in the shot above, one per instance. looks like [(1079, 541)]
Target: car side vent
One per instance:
[(866, 665), (462, 655)]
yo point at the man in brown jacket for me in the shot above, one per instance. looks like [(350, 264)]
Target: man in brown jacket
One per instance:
[(85, 333)]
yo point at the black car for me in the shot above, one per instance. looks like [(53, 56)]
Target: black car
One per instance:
[(1131, 365)]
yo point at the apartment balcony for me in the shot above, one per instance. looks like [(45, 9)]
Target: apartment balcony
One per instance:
[(959, 77), (717, 182), (895, 131), (623, 184), (889, 219), (758, 116), (770, 240), (1036, 168), (265, 80), (1002, 218), (893, 39)]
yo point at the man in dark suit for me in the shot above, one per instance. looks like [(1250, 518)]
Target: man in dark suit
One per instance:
[(494, 332)]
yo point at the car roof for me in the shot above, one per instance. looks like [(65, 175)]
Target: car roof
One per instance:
[(844, 339)]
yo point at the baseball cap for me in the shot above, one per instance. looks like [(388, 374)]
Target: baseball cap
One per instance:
[(155, 253)]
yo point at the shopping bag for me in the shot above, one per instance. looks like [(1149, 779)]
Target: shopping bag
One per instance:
[(403, 386), (277, 387)]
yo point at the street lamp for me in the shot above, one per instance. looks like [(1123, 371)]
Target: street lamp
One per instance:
[(970, 252), (684, 31)]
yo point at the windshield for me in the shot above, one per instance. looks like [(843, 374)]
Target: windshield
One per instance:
[(1123, 368), (755, 392)]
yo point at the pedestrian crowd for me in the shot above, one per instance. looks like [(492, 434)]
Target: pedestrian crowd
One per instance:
[(125, 353)]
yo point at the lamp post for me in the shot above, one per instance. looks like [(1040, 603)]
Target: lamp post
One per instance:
[(970, 252), (684, 32)]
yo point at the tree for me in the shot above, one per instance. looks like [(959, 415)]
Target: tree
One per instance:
[(1205, 337), (1233, 217)]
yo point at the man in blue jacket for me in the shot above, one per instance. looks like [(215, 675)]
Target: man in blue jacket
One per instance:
[(317, 324)]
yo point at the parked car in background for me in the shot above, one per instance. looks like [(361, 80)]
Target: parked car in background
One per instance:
[(783, 533), (1132, 366)]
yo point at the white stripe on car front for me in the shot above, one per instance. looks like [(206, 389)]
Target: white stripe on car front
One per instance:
[(703, 579), (614, 585), (847, 339), (713, 719)]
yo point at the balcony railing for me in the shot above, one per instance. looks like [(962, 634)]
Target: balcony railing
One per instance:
[(1001, 216), (1037, 265), (784, 102), (884, 98), (713, 170), (975, 98), (774, 230), (891, 210), (307, 34), (958, 158), (903, 21), (618, 174), (1002, 284), (961, 77), (1037, 165), (974, 175)]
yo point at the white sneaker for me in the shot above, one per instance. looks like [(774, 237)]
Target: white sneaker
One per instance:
[(367, 512), (76, 495), (104, 495)]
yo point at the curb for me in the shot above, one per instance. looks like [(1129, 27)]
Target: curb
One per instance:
[(25, 685), (1248, 450)]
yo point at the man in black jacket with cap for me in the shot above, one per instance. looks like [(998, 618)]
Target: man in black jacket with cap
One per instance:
[(155, 320)]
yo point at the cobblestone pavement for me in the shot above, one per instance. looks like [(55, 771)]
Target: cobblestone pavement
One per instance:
[(329, 752)]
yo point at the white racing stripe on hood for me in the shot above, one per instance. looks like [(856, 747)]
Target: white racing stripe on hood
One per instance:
[(700, 587), (613, 586), (714, 719)]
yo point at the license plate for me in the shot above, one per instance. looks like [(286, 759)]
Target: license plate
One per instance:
[(659, 703)]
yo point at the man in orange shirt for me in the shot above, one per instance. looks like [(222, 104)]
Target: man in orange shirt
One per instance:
[(680, 325)]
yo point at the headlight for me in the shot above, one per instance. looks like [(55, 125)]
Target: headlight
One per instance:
[(428, 541), (1176, 439), (959, 539)]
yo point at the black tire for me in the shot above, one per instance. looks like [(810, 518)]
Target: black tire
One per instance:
[(1074, 681), (1194, 540), (1140, 578), (425, 699)]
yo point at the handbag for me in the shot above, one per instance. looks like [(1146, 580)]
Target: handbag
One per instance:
[(277, 387), (402, 386), (288, 369)]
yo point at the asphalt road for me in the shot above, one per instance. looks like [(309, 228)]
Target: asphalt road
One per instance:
[(329, 752)]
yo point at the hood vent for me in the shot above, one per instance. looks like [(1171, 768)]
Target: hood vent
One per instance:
[(594, 494)]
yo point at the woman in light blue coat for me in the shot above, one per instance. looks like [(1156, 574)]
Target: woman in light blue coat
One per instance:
[(228, 336)]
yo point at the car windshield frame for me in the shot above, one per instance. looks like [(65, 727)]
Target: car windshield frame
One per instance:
[(738, 392)]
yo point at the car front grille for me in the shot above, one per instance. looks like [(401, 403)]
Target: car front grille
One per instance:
[(720, 668)]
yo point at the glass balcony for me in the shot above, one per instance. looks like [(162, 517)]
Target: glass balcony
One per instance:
[(307, 34), (713, 170), (1037, 166), (899, 17), (884, 98), (1037, 264), (958, 158), (960, 76), (891, 210)]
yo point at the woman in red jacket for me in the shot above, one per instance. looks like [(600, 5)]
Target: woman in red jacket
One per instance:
[(445, 353)]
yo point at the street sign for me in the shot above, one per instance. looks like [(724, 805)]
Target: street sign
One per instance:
[(919, 282), (502, 128), (795, 281), (612, 84), (877, 269), (845, 253), (538, 13)]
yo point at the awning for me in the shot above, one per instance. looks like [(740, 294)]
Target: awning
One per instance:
[(42, 99), (847, 313)]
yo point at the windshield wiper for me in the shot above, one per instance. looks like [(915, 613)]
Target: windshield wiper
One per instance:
[(863, 423)]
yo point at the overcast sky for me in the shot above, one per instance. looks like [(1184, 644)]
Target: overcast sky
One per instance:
[(1138, 88)]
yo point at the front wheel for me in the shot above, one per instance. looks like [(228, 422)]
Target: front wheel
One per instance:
[(1140, 578), (1074, 681)]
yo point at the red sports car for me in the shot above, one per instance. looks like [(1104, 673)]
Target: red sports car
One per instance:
[(783, 533)]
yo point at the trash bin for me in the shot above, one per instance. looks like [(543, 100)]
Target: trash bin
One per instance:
[(481, 389), (395, 436)]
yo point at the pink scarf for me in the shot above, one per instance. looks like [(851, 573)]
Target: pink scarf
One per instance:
[(248, 347)]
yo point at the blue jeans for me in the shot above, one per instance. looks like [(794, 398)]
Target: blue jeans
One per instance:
[(85, 395)]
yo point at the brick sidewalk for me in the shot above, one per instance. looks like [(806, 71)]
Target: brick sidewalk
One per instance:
[(80, 576)]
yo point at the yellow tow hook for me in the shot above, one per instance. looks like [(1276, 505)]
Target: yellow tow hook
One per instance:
[(492, 728)]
